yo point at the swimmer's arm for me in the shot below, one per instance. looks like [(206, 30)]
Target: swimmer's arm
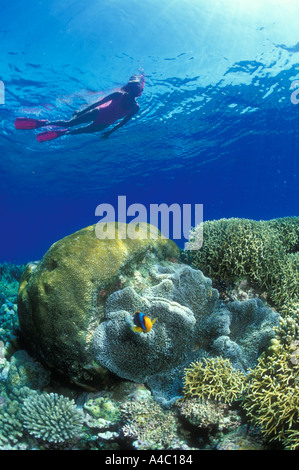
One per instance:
[(111, 97), (122, 123)]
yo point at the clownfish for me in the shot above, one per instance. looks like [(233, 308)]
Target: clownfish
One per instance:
[(143, 323)]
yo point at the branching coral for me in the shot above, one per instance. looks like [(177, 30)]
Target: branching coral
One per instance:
[(272, 394), (52, 417), (264, 251), (213, 378), (10, 424)]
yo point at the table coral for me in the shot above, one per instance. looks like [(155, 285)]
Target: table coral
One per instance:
[(52, 417)]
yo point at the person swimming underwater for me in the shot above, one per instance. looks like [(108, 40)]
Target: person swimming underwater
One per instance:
[(118, 105)]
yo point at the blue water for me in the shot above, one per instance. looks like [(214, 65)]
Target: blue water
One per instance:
[(216, 124)]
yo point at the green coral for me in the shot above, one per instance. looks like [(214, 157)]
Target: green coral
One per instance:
[(213, 378), (10, 275), (288, 329), (272, 394), (52, 417), (264, 251), (9, 321), (208, 414), (148, 426), (103, 412), (10, 424), (25, 371)]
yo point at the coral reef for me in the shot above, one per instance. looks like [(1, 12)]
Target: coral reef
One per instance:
[(9, 321), (143, 354), (148, 426), (58, 323), (264, 251), (52, 417), (201, 346), (10, 275), (31, 420), (214, 378), (241, 438), (271, 397), (10, 424), (103, 409), (209, 415), (239, 331), (84, 340), (24, 371)]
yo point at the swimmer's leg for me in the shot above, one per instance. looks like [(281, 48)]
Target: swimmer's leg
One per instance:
[(50, 135), (86, 117)]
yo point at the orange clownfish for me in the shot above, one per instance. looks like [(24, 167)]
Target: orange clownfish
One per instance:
[(143, 323)]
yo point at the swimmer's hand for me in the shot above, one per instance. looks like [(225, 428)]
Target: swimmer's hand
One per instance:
[(105, 135)]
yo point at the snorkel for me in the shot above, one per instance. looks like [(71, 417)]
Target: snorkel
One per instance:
[(135, 85)]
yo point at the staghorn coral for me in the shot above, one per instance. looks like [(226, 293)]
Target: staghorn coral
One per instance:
[(265, 251), (52, 417), (285, 285), (288, 329), (213, 378), (271, 398)]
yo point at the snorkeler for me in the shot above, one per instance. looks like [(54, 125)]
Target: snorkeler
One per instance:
[(118, 105)]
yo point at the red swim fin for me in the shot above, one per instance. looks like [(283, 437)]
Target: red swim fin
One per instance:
[(29, 123), (50, 135)]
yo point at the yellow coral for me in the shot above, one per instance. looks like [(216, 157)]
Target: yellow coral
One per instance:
[(272, 396), (214, 378)]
